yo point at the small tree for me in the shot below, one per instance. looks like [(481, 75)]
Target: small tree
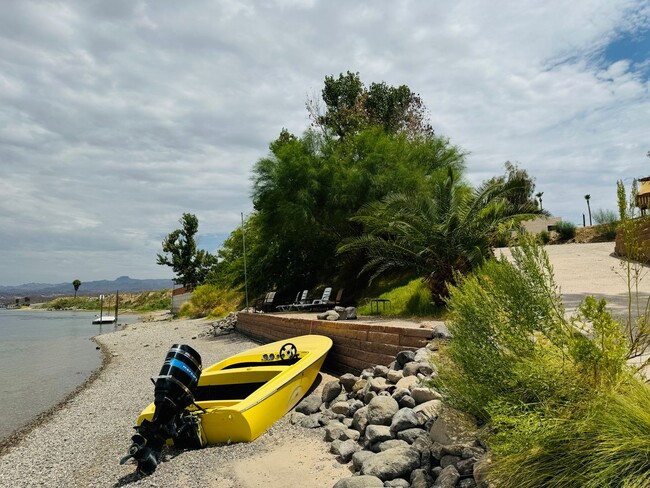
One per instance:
[(191, 265), (76, 284), (588, 197), (539, 197)]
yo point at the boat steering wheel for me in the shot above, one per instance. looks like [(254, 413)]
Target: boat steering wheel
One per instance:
[(288, 351)]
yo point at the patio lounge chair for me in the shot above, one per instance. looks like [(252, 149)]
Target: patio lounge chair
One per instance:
[(319, 306), (267, 303), (318, 303), (301, 299)]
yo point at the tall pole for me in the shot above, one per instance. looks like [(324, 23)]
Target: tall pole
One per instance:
[(117, 299), (243, 237), (101, 308)]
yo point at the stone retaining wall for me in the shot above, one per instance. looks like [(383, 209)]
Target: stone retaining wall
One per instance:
[(356, 345)]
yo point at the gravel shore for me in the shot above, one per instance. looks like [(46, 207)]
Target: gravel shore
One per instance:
[(82, 440)]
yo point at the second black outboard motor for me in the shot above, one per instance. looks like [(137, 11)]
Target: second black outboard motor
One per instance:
[(173, 392)]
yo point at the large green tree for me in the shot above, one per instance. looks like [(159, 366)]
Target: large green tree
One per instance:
[(190, 264), (367, 143), (307, 189), (350, 107), (438, 235)]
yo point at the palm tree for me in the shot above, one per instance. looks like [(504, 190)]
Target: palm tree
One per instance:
[(76, 284), (539, 197), (440, 235), (588, 197)]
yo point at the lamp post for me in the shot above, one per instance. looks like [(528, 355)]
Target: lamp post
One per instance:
[(243, 237)]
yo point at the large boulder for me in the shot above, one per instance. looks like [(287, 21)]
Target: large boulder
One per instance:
[(404, 419), (334, 430), (347, 381), (360, 419), (344, 449), (331, 390), (341, 408), (308, 405), (392, 463), (448, 478), (360, 482), (423, 394), (381, 410), (428, 411), (359, 457), (393, 376), (404, 357), (380, 371), (421, 479), (408, 382), (378, 384), (410, 435), (378, 433), (453, 427)]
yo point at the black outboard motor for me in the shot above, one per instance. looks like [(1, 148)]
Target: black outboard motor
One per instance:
[(173, 392)]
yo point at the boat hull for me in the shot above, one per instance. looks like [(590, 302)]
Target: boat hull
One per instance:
[(245, 394)]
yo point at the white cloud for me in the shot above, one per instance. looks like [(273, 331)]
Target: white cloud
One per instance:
[(117, 117)]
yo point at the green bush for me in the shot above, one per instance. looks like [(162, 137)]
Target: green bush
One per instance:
[(565, 230), (410, 300), (604, 444), (210, 301), (502, 317), (79, 303), (607, 222), (145, 301), (560, 403), (544, 237)]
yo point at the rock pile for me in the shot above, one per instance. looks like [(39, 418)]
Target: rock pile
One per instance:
[(339, 313), (223, 326), (394, 430)]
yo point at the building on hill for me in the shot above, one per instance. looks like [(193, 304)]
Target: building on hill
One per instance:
[(643, 197), (540, 224)]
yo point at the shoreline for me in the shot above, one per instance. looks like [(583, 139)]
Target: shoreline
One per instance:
[(79, 441), (13, 439)]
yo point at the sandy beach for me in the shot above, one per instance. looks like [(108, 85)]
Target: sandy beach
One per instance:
[(81, 441)]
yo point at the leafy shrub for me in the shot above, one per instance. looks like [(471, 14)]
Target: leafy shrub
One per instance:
[(145, 301), (410, 300), (607, 222), (544, 237), (562, 406), (602, 216), (500, 317), (210, 301), (565, 230), (606, 443)]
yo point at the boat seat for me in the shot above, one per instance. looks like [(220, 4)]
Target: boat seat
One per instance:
[(233, 392)]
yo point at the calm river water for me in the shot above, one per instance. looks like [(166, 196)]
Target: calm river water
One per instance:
[(43, 357)]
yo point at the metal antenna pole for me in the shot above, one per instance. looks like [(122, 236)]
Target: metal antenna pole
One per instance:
[(243, 237)]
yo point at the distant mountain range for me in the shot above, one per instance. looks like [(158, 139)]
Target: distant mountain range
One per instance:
[(123, 284)]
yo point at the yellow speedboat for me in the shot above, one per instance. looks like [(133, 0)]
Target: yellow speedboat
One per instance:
[(234, 400)]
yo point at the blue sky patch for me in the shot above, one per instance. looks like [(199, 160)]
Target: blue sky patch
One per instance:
[(634, 47)]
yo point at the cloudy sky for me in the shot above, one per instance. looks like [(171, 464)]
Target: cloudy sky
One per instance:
[(116, 116)]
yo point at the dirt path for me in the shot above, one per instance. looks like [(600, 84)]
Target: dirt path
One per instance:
[(592, 269)]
